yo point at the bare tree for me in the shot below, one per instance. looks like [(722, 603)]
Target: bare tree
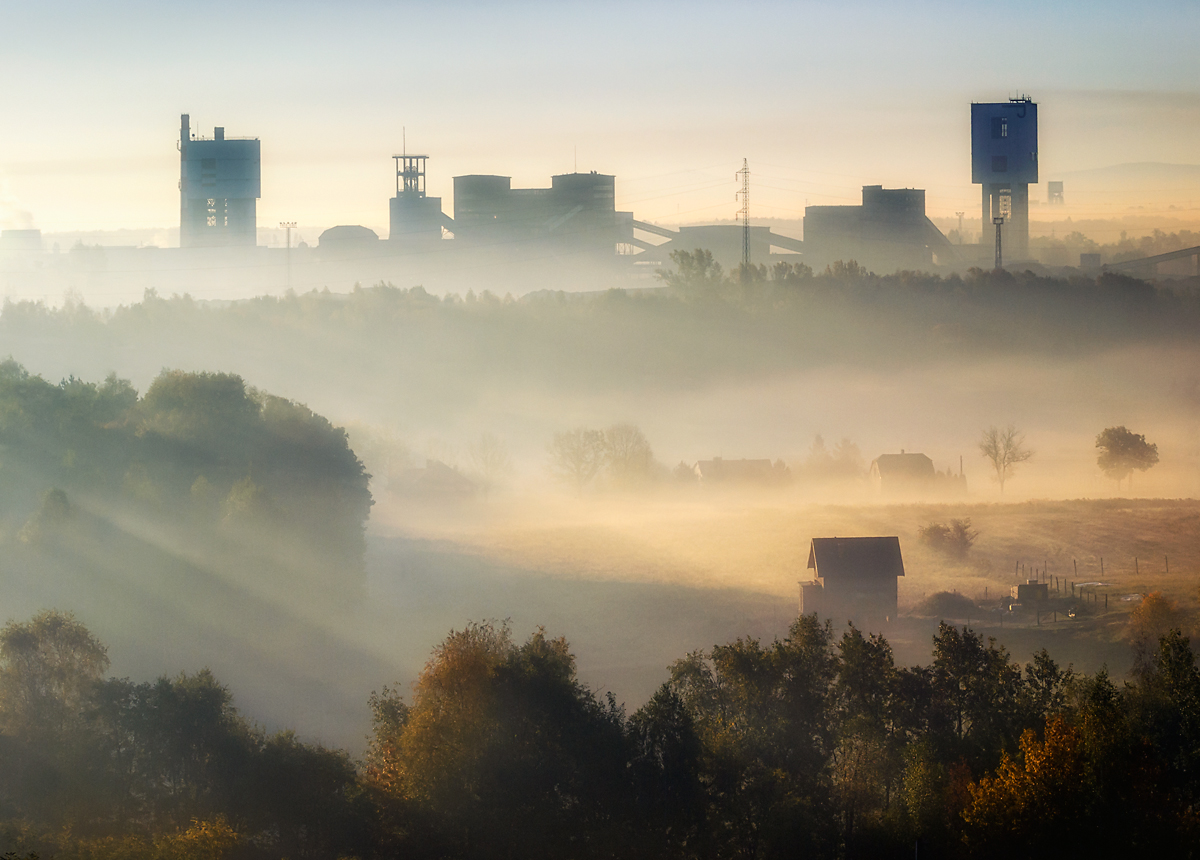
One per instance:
[(628, 452), (490, 462), (1006, 449), (578, 455)]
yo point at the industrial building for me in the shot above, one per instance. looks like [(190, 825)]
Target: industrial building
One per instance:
[(526, 236), (889, 231), (219, 186), (413, 216), (576, 215), (1004, 161)]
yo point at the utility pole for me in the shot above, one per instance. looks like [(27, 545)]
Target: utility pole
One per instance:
[(744, 212), (960, 217), (288, 225), (999, 222)]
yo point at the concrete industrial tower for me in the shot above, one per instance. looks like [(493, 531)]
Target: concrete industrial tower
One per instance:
[(220, 181), (1004, 160)]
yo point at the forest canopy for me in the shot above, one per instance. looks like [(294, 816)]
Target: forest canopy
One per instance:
[(201, 454), (814, 744)]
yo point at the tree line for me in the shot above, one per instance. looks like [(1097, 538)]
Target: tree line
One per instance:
[(815, 744), (408, 343)]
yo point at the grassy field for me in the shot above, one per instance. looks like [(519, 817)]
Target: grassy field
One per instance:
[(759, 544)]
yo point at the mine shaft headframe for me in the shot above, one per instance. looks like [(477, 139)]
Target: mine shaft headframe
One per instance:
[(410, 175)]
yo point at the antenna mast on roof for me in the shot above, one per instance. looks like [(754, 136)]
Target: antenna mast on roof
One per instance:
[(744, 212)]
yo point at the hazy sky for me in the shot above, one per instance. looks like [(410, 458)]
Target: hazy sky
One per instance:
[(821, 97)]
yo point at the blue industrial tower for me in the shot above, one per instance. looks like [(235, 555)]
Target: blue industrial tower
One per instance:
[(1004, 160), (219, 185)]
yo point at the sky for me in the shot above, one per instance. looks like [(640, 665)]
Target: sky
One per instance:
[(821, 98)]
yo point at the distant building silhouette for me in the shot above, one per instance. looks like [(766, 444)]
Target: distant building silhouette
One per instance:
[(576, 214), (20, 240), (888, 231), (413, 216), (721, 471), (347, 240), (913, 475), (1004, 161), (219, 186)]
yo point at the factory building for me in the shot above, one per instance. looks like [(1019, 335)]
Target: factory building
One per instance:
[(575, 215), (1004, 161), (219, 185), (889, 231)]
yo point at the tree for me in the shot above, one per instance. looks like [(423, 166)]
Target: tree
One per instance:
[(49, 669), (1005, 448), (505, 752), (694, 270), (844, 462), (790, 273), (978, 691), (1122, 451), (761, 712), (1152, 619), (48, 666), (748, 273), (1035, 800), (628, 453), (578, 455), (490, 461)]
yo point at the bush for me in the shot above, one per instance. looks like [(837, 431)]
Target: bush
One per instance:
[(953, 540), (948, 604)]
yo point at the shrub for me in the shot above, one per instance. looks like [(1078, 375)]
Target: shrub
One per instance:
[(953, 539)]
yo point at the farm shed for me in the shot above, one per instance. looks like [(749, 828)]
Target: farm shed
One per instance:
[(854, 578)]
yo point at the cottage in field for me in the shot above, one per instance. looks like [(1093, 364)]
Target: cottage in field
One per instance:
[(721, 471), (907, 474), (854, 578)]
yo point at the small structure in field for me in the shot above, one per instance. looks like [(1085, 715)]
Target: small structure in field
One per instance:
[(907, 474), (722, 471), (1031, 591), (855, 578)]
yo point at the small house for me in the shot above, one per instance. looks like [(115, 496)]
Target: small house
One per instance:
[(721, 471), (854, 578), (906, 474)]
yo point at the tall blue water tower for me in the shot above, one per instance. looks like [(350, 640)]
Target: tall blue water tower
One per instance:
[(1004, 160)]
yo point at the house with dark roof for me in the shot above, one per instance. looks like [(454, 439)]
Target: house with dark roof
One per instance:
[(853, 578), (721, 471), (907, 474)]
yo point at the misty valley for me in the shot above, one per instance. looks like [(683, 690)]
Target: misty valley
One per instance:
[(383, 573)]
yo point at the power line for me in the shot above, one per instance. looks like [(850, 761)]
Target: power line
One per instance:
[(744, 173)]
